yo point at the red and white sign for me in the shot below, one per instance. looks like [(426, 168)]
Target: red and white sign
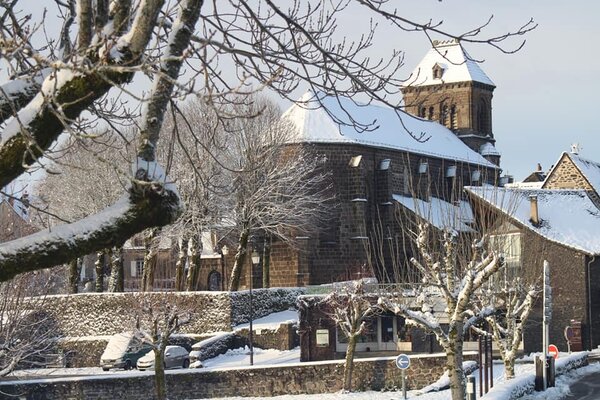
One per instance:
[(553, 351)]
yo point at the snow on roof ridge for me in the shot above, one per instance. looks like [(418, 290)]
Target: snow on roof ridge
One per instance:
[(461, 67), (315, 125)]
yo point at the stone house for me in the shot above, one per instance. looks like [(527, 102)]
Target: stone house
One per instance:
[(557, 220), (14, 219)]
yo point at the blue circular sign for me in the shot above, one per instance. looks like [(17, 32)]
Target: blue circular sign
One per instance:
[(403, 361)]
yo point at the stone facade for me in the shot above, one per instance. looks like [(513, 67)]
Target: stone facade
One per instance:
[(311, 378), (566, 175)]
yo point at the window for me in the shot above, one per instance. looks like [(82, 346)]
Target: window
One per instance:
[(355, 161), (475, 176), (214, 281), (437, 71), (422, 112), (453, 117), (508, 246), (423, 167), (451, 171), (430, 114), (483, 122), (384, 165), (137, 267), (444, 115)]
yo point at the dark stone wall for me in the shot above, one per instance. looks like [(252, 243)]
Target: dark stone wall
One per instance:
[(369, 374), (569, 289)]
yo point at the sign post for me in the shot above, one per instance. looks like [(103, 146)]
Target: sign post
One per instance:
[(403, 362), (546, 319), (568, 337)]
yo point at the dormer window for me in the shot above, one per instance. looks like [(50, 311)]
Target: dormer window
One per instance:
[(355, 161), (438, 71)]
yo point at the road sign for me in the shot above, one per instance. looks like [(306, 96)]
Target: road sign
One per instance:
[(403, 361), (553, 351), (569, 333)]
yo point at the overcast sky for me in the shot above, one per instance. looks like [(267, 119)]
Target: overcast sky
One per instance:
[(546, 94)]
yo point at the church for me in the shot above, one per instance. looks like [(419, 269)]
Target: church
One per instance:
[(413, 164)]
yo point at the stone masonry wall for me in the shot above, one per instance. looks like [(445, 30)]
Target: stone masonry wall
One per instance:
[(323, 377), (93, 314)]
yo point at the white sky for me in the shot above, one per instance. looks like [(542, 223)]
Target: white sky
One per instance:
[(546, 94)]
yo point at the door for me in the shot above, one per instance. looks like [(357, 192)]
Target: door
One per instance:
[(387, 333)]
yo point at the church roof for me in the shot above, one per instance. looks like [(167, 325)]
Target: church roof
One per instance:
[(567, 217), (317, 125), (440, 213), (455, 62)]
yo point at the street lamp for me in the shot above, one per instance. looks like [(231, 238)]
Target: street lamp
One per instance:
[(255, 261), (224, 252)]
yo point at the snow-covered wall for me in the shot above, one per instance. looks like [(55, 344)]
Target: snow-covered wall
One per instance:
[(93, 314)]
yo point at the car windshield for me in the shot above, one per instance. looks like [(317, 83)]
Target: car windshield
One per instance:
[(117, 345)]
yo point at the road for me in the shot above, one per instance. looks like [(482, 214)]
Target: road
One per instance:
[(587, 388)]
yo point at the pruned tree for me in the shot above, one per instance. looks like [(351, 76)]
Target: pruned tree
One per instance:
[(52, 90), (351, 308), (450, 278), (157, 321), (27, 334), (514, 300)]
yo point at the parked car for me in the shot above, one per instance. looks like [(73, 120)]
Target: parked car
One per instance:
[(175, 356), (123, 351)]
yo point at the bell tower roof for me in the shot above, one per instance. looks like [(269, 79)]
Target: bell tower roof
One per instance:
[(447, 62)]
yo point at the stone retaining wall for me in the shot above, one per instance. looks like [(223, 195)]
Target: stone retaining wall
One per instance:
[(314, 377), (94, 314)]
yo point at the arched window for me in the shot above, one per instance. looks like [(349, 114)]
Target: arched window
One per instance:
[(430, 114), (483, 117), (444, 120), (453, 118), (422, 111), (214, 281)]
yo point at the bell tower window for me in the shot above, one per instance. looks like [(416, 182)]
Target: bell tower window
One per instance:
[(444, 120), (453, 117), (483, 117), (430, 114)]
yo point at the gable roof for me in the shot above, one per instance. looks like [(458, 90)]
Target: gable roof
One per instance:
[(314, 124), (457, 64), (589, 170), (568, 217)]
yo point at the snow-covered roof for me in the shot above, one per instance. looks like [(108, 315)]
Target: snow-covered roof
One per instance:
[(208, 246), (589, 169), (316, 125), (488, 149), (457, 66), (440, 213), (567, 217)]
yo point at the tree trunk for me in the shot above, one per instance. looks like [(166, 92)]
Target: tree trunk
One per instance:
[(509, 367), (180, 265), (160, 381), (266, 265), (149, 261), (193, 264), (116, 282), (454, 361), (99, 267), (349, 365), (74, 271), (240, 258)]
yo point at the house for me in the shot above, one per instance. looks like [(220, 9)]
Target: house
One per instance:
[(14, 221), (557, 220)]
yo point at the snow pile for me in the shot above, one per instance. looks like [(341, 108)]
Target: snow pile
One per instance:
[(211, 347), (524, 383), (444, 382)]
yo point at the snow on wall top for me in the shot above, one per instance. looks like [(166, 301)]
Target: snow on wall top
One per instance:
[(316, 125), (440, 213), (567, 217), (589, 169), (456, 63)]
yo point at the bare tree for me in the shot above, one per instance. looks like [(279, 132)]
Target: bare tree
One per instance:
[(514, 301), (27, 335), (158, 320), (351, 307), (449, 281), (277, 190), (62, 89)]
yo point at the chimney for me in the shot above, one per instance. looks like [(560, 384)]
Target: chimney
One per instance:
[(534, 215), (539, 167)]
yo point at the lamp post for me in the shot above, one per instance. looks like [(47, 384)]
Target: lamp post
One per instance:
[(255, 261), (224, 252)]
